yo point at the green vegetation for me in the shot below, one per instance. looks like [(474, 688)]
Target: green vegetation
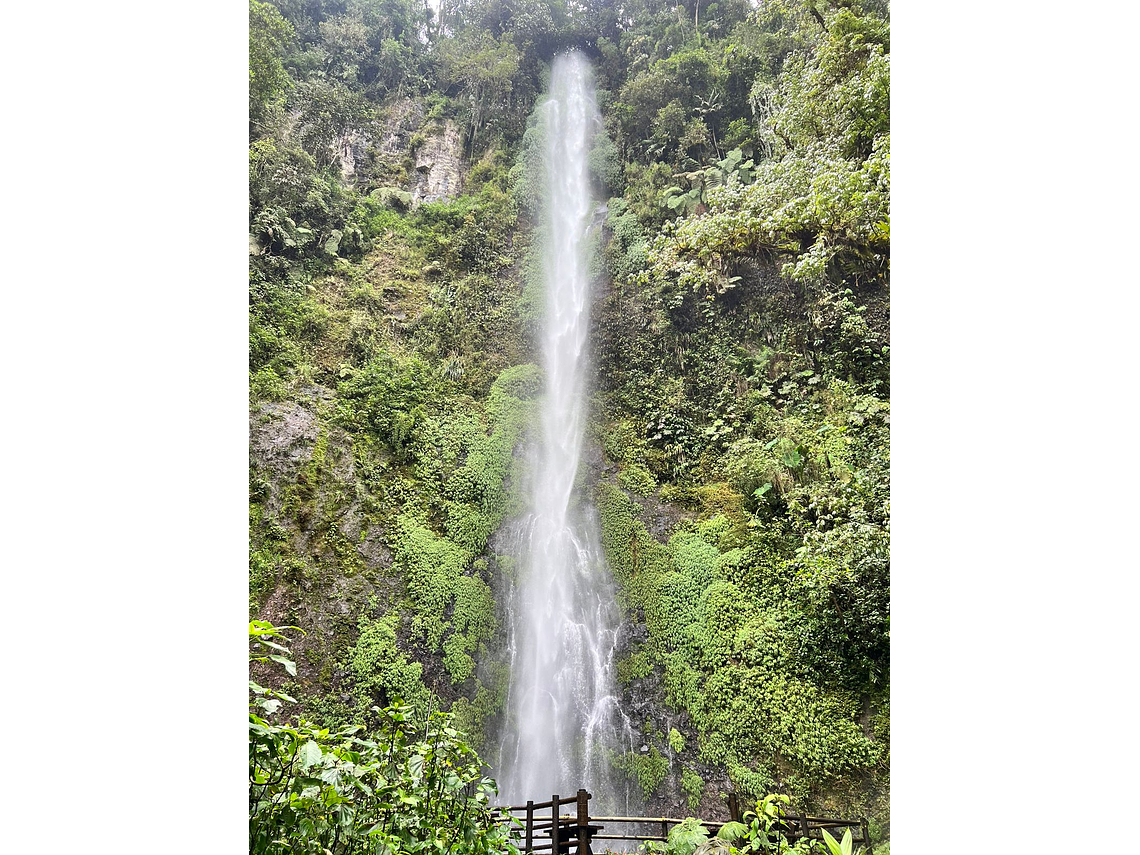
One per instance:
[(692, 786), (647, 770), (381, 670), (745, 345), (763, 830), (742, 392), (676, 740), (405, 784)]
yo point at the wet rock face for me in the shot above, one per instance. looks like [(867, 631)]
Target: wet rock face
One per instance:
[(439, 171), (281, 437), (437, 174), (351, 150), (402, 119), (388, 137)]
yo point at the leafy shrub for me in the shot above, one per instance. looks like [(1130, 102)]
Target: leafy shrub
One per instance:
[(605, 164), (637, 479), (266, 385), (406, 784), (386, 398)]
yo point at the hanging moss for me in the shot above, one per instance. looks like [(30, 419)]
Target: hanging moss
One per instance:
[(693, 786), (647, 769)]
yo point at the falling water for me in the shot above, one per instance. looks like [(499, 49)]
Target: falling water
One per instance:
[(563, 706)]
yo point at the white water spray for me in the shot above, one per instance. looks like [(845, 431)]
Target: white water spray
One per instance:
[(563, 707)]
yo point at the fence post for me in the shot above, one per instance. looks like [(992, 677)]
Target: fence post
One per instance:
[(529, 826), (867, 836), (804, 823), (583, 822), (554, 831), (733, 808)]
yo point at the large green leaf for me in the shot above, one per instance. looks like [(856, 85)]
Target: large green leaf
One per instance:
[(289, 664), (309, 753), (834, 847), (732, 831)]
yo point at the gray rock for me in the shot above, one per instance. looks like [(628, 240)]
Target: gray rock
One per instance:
[(351, 150), (401, 119), (281, 436), (439, 171)]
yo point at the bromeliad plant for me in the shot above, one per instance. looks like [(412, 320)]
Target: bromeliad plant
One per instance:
[(766, 827), (402, 786), (834, 847)]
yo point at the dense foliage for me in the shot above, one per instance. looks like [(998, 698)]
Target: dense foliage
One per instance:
[(741, 340), (764, 829), (405, 784)]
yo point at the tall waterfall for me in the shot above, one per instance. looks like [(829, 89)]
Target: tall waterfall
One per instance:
[(563, 709)]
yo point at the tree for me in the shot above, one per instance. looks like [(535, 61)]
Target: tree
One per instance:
[(269, 35)]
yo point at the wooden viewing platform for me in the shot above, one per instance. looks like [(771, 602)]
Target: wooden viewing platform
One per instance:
[(566, 833)]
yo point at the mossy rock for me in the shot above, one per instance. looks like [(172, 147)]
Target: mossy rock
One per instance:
[(392, 197)]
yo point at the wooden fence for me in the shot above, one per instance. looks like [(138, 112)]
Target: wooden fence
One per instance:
[(556, 832)]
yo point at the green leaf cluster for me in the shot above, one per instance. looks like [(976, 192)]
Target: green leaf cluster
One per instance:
[(407, 783)]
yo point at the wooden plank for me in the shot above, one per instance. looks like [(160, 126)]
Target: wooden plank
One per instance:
[(566, 822), (560, 828), (670, 819), (555, 831), (583, 822), (512, 808), (538, 806)]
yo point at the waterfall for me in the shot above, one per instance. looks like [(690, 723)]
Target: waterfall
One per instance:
[(563, 707)]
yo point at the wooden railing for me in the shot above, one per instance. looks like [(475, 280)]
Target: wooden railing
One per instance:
[(573, 833), (560, 829)]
